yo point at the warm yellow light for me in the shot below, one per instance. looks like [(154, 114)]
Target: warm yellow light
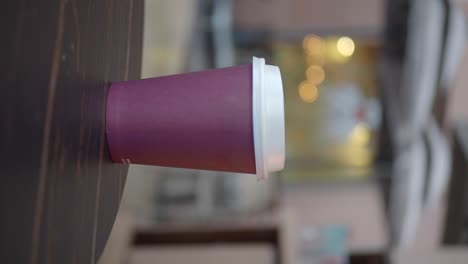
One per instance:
[(358, 156), (308, 92), (360, 135), (345, 46), (313, 45), (333, 56), (315, 74)]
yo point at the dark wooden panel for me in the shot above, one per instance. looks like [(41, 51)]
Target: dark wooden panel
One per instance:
[(375, 258), (205, 235), (456, 219), (60, 192)]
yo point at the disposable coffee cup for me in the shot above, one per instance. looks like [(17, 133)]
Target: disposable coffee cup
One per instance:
[(229, 119)]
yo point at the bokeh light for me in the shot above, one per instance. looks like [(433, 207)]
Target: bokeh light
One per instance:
[(345, 46), (315, 74), (308, 92), (313, 45)]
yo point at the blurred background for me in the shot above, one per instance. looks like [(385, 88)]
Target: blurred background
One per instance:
[(376, 137)]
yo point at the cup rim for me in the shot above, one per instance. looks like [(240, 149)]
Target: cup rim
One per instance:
[(267, 136)]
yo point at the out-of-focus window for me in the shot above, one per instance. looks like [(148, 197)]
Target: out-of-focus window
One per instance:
[(332, 111)]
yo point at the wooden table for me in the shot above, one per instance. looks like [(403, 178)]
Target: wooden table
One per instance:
[(59, 192)]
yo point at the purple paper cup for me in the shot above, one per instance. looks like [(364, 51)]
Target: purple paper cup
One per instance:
[(229, 119)]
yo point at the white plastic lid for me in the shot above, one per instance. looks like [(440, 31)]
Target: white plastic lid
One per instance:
[(268, 118)]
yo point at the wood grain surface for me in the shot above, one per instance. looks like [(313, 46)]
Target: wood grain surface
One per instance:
[(59, 192)]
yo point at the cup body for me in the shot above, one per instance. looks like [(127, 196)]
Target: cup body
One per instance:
[(201, 120)]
